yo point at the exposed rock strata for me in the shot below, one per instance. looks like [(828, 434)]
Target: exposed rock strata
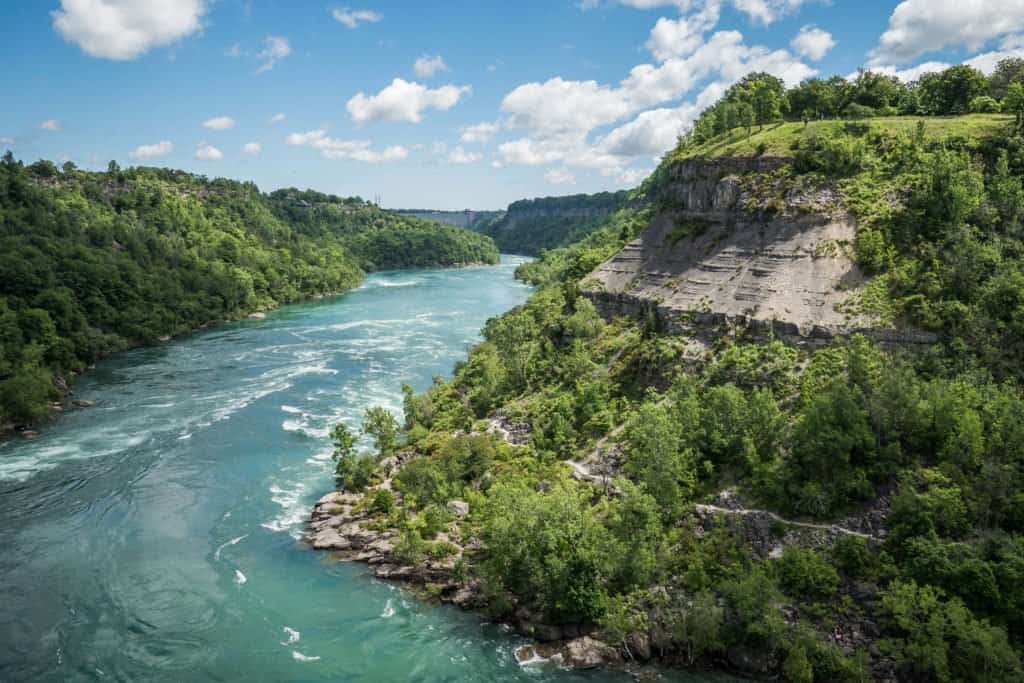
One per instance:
[(717, 263)]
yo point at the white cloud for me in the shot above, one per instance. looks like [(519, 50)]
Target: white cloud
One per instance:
[(763, 11), (426, 66), (143, 152), (207, 152), (275, 48), (460, 156), (559, 176), (985, 62), (235, 51), (812, 42), (353, 18), (676, 37), (6, 141), (767, 11), (52, 125), (278, 118), (920, 26), (125, 29), (559, 106), (562, 118), (481, 133), (357, 150), (252, 148), (403, 101), (1013, 42), (220, 123)]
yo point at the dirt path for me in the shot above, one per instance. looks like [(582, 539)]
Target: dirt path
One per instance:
[(742, 512)]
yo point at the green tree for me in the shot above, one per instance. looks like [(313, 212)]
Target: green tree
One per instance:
[(1014, 102), (383, 427)]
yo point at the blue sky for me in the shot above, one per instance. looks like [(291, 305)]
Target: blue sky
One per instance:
[(509, 100)]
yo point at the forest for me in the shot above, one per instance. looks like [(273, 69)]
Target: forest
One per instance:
[(531, 226), (92, 263), (931, 442)]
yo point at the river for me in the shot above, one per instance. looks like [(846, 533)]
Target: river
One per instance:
[(156, 536)]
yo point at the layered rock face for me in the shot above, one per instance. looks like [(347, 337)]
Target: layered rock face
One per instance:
[(717, 261)]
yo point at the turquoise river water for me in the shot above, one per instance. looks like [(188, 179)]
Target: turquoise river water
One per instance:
[(156, 536)]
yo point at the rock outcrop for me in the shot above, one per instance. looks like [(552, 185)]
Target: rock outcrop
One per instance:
[(722, 260)]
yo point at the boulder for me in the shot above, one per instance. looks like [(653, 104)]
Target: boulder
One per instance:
[(82, 403), (258, 315), (587, 653), (640, 645), (458, 508), (29, 434)]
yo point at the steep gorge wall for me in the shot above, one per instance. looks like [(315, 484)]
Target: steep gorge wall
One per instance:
[(716, 262)]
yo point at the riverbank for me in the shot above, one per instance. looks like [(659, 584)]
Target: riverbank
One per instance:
[(63, 384), (345, 524)]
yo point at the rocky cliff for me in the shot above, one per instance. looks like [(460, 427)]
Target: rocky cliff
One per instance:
[(737, 249), (533, 225)]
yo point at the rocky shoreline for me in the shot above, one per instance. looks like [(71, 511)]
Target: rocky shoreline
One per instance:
[(346, 525), (343, 524)]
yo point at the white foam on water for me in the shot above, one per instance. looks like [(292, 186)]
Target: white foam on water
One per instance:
[(185, 437), (233, 541), (389, 610), (293, 636), (298, 656), (240, 578), (293, 512), (291, 410)]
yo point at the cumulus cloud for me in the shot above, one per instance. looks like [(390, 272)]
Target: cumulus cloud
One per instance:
[(460, 156), (278, 118), (52, 125), (675, 37), (426, 66), (558, 106), (125, 29), (205, 152), (403, 101), (559, 176), (812, 42), (562, 118), (920, 26), (357, 150), (252, 148), (159, 149), (353, 18), (480, 133), (275, 48), (763, 11), (985, 62), (220, 123), (4, 140)]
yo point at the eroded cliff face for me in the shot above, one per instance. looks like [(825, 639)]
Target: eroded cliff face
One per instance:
[(720, 259)]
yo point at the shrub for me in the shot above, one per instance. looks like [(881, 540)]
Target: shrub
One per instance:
[(807, 574)]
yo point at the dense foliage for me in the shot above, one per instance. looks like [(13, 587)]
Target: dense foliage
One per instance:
[(760, 99), (531, 226), (380, 240), (91, 263), (932, 441)]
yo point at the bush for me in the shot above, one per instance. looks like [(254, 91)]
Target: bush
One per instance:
[(984, 105), (805, 574), (383, 502)]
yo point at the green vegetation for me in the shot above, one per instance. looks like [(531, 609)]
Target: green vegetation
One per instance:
[(380, 240), (930, 442), (531, 226), (92, 263)]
